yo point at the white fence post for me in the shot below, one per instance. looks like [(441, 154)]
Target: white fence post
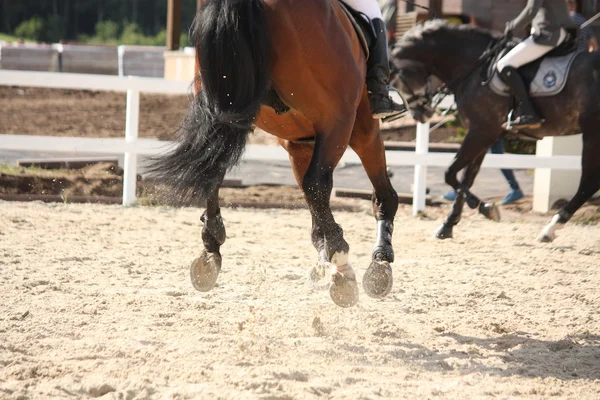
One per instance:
[(420, 182), (120, 56), (550, 185), (131, 136)]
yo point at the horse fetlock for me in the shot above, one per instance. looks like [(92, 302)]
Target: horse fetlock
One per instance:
[(383, 252), (215, 227), (339, 258), (336, 247), (472, 201)]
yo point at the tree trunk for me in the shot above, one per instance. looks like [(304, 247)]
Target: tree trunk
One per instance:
[(173, 24), (436, 8)]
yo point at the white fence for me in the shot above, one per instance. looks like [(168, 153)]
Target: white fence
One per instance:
[(119, 60), (131, 145)]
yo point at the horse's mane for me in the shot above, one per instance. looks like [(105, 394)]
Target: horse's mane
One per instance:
[(423, 31)]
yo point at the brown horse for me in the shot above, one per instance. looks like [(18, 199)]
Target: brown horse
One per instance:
[(255, 57)]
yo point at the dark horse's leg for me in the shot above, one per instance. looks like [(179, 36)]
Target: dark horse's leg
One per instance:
[(589, 183), (475, 145), (314, 173), (445, 231), (326, 234), (317, 185), (300, 155), (368, 144), (205, 269)]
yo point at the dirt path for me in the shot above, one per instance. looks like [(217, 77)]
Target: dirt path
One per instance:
[(96, 300), (87, 113)]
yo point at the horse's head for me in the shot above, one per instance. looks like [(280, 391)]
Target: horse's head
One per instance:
[(414, 82), (430, 55)]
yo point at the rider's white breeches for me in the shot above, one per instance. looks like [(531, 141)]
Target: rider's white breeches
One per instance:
[(368, 7), (526, 52)]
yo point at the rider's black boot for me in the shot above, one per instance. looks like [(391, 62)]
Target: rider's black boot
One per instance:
[(528, 117), (378, 75)]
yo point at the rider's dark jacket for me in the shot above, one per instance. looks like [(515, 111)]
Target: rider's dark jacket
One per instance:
[(546, 18)]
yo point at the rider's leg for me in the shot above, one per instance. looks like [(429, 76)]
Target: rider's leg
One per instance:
[(378, 75), (524, 53), (368, 7), (378, 64)]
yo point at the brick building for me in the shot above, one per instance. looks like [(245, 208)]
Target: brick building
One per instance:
[(491, 14)]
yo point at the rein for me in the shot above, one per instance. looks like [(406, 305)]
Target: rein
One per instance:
[(432, 14), (446, 88)]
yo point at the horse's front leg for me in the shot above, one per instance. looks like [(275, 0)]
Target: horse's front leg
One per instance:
[(205, 269), (475, 145), (445, 231), (368, 144)]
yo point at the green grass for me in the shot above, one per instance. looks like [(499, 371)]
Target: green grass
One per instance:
[(15, 170), (8, 38)]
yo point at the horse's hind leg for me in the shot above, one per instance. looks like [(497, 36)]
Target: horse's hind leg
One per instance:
[(589, 184), (368, 144), (315, 176), (317, 185), (445, 231), (300, 155), (205, 269)]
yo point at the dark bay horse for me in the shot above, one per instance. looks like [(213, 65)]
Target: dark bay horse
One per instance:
[(308, 53), (449, 52)]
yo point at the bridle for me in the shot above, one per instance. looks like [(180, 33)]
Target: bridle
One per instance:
[(416, 100), (430, 99)]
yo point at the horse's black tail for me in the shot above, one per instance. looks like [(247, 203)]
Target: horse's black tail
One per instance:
[(233, 46)]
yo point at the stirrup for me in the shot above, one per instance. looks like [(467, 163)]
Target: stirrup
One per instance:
[(391, 113), (394, 117), (517, 124), (393, 110)]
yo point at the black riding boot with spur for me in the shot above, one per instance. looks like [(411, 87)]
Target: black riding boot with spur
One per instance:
[(378, 76), (528, 118)]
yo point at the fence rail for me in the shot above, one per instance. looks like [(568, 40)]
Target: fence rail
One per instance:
[(119, 60), (132, 146)]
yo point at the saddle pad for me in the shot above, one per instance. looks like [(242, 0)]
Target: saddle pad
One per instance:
[(549, 80), (357, 26)]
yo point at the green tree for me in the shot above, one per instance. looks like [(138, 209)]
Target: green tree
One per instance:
[(107, 31), (32, 29)]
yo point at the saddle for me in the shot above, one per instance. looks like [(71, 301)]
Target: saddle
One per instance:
[(545, 77)]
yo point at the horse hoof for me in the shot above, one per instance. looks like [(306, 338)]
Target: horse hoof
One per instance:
[(378, 280), (205, 270), (319, 277), (343, 290), (444, 232), (546, 238), (490, 211)]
